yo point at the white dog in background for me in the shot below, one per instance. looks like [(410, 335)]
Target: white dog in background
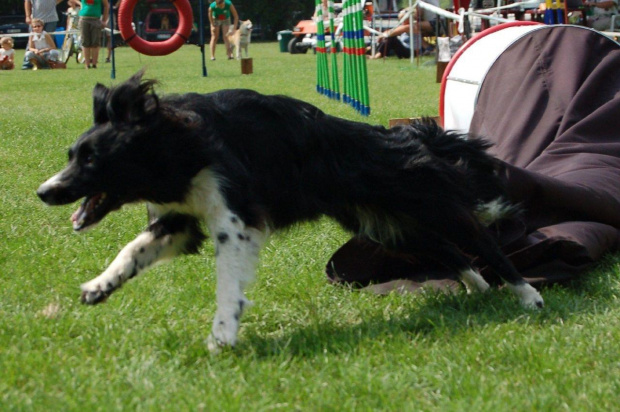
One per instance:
[(241, 38)]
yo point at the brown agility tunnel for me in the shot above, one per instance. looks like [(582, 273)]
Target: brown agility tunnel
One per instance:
[(550, 104)]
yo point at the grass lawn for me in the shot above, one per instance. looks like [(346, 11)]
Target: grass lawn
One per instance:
[(305, 345)]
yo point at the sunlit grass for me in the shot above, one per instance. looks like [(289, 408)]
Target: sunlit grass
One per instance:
[(306, 344)]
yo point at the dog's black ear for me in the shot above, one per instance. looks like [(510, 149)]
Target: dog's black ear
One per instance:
[(100, 100), (133, 101)]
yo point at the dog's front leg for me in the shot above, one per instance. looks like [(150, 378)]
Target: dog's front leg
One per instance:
[(165, 238), (237, 248)]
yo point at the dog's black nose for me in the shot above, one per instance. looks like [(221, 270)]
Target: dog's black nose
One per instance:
[(44, 194), (55, 191), (51, 193)]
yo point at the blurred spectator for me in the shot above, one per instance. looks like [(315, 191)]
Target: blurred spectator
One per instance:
[(41, 47), (44, 10), (7, 54)]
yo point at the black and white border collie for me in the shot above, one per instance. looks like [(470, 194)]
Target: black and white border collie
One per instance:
[(247, 164)]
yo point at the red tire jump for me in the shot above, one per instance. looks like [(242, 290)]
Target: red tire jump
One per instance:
[(184, 29)]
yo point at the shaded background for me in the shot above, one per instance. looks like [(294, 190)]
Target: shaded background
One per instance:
[(267, 17)]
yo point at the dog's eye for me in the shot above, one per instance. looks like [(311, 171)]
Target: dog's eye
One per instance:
[(87, 157)]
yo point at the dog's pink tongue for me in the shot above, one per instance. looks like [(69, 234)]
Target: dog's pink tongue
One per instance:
[(75, 217)]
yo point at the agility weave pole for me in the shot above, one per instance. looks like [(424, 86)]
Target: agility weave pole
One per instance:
[(355, 77), (333, 48), (322, 71)]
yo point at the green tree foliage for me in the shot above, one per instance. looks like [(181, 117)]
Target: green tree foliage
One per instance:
[(12, 7)]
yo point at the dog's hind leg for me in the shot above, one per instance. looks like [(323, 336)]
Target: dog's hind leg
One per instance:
[(237, 248), (166, 237), (484, 246), (527, 294), (473, 280), (430, 246), (449, 256)]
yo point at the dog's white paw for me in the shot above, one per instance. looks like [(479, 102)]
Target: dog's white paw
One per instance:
[(215, 345), (226, 325), (94, 292), (528, 296), (533, 302), (223, 334)]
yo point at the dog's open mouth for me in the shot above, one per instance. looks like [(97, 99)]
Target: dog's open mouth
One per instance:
[(92, 210)]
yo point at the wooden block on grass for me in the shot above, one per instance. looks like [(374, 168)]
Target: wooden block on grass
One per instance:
[(441, 67), (411, 121), (246, 66)]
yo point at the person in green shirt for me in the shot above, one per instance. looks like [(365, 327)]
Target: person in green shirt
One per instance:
[(220, 12), (93, 19)]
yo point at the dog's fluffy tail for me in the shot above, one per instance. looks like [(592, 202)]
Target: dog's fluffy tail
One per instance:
[(467, 154), (495, 210)]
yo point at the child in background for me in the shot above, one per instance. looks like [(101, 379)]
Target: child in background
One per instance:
[(41, 46), (7, 54)]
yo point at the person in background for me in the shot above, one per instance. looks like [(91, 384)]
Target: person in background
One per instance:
[(428, 20), (602, 10), (41, 47), (398, 39), (93, 18), (7, 54), (220, 12), (44, 10)]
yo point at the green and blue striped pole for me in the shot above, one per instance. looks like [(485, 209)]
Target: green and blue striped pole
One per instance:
[(356, 29), (321, 55), (349, 86), (355, 76), (357, 51), (334, 49), (362, 76)]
